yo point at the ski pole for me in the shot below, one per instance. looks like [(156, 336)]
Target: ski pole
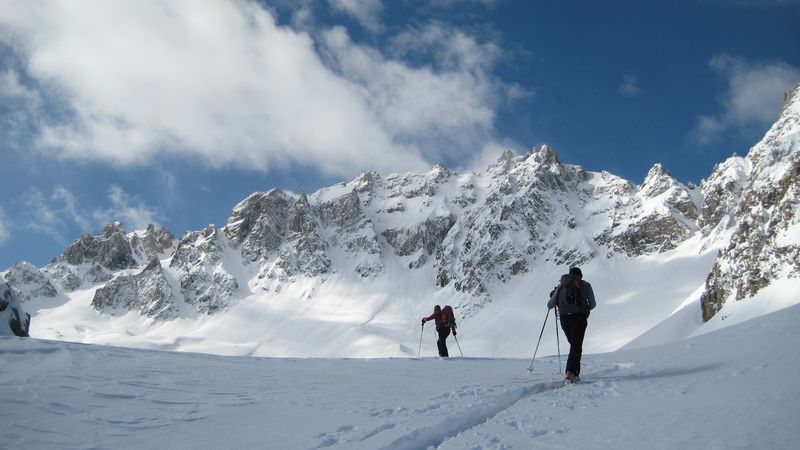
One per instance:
[(558, 344), (420, 339), (459, 345), (530, 369)]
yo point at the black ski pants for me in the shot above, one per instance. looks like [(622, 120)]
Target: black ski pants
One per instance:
[(444, 332), (574, 326)]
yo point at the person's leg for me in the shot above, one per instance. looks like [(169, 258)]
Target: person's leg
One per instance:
[(442, 342), (574, 326)]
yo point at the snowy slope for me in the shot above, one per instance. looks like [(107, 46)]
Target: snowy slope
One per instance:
[(733, 388), (380, 317)]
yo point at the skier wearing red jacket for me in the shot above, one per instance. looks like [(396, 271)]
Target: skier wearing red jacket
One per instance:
[(445, 321)]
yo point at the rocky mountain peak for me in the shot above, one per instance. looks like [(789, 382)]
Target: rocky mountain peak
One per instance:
[(658, 181), (547, 156), (503, 164), (110, 250), (366, 183), (259, 223), (152, 243), (439, 173), (112, 228), (790, 98), (761, 248), (29, 282)]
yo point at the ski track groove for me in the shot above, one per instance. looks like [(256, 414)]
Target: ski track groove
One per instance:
[(451, 426)]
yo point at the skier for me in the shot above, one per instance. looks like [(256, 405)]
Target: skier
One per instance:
[(445, 321), (574, 298)]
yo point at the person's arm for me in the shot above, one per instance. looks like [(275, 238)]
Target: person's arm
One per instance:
[(553, 298), (431, 317), (590, 297)]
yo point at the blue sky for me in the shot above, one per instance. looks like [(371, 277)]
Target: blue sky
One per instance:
[(172, 112)]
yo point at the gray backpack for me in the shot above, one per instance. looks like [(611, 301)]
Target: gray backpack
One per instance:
[(570, 300)]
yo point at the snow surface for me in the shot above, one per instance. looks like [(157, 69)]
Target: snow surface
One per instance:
[(732, 388)]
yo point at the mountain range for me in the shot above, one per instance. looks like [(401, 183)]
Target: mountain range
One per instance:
[(349, 270)]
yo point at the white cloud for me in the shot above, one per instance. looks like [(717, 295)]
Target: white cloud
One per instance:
[(221, 82), (59, 214), (445, 106), (366, 12), (37, 213), (449, 48), (11, 89), (5, 233), (488, 155), (752, 100), (67, 204), (630, 86), (131, 211)]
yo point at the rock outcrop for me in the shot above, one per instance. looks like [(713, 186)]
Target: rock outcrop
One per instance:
[(14, 321), (29, 282), (147, 292), (203, 280)]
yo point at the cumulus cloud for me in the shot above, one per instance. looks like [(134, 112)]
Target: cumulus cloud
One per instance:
[(752, 99), (445, 105), (366, 12), (222, 82)]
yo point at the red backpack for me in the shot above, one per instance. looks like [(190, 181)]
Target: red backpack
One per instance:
[(448, 318)]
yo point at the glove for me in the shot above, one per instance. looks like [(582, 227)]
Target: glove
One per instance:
[(454, 332), (423, 321)]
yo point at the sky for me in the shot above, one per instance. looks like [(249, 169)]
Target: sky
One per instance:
[(172, 112)]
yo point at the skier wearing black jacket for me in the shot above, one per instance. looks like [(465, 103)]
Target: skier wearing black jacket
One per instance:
[(574, 298), (445, 321)]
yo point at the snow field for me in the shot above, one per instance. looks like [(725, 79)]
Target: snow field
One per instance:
[(731, 388)]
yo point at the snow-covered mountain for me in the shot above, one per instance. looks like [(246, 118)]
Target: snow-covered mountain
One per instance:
[(760, 194), (350, 269)]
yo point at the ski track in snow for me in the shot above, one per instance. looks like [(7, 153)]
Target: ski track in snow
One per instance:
[(451, 426), (488, 404)]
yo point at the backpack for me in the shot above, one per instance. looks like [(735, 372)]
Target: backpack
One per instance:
[(448, 318), (570, 300)]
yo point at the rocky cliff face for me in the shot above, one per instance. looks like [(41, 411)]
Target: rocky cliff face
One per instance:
[(655, 218), (95, 259), (198, 260), (148, 292), (14, 321), (29, 282), (763, 192)]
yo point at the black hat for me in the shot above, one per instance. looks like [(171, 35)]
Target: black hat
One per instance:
[(576, 272)]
